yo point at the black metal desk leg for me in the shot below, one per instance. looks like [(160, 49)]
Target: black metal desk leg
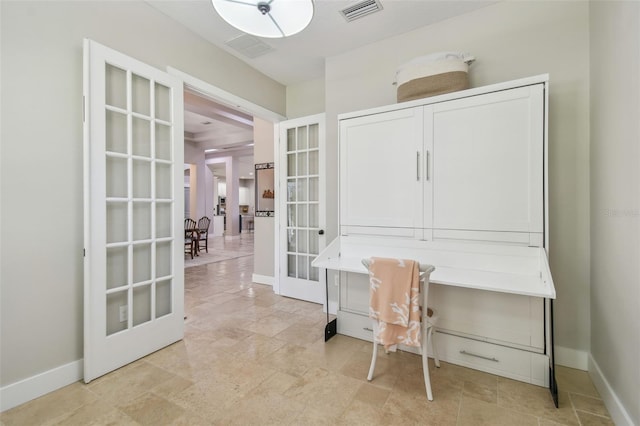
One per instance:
[(553, 385), (331, 329)]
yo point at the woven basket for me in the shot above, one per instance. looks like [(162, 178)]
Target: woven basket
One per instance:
[(433, 75)]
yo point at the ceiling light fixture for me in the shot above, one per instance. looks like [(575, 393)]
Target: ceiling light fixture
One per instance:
[(270, 19)]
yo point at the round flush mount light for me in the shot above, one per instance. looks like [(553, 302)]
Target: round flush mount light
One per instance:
[(270, 19)]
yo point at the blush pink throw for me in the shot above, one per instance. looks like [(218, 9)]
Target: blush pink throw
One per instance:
[(394, 301)]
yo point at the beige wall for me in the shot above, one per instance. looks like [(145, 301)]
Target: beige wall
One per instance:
[(194, 156), (264, 227), (41, 272), (201, 182), (510, 40), (305, 99), (615, 201)]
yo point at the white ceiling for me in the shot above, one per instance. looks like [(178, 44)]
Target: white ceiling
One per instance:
[(293, 59), (301, 57), (214, 126)]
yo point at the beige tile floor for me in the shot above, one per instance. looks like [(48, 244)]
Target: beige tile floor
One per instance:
[(250, 357), (222, 249)]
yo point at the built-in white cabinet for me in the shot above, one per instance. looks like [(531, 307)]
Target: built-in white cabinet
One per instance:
[(457, 181), (465, 169)]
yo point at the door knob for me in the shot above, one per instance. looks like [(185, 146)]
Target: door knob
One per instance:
[(321, 232)]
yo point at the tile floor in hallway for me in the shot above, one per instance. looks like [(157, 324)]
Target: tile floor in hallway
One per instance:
[(220, 249), (250, 357)]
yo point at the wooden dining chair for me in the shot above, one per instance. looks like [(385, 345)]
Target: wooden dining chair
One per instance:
[(190, 237), (203, 233)]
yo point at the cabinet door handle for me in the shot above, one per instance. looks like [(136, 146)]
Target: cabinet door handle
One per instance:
[(463, 352), (427, 167), (418, 166)]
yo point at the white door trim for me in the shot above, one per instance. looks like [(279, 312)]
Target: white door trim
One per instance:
[(276, 221), (227, 98)]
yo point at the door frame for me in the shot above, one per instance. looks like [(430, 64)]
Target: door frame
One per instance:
[(222, 96), (226, 98)]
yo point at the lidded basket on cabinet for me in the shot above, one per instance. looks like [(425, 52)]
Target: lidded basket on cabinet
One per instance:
[(433, 75)]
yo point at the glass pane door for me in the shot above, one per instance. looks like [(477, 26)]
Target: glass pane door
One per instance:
[(301, 155), (139, 169), (133, 210), (302, 201)]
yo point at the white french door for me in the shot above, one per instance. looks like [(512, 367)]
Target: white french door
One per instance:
[(133, 231), (302, 207)]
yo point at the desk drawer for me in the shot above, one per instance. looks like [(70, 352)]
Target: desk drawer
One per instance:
[(503, 361)]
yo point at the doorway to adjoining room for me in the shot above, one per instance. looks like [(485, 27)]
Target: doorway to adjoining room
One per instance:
[(218, 180)]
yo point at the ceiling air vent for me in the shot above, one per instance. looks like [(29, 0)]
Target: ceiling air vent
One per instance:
[(249, 46), (361, 9)]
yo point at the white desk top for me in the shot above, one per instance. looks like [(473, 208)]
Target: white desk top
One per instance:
[(492, 267)]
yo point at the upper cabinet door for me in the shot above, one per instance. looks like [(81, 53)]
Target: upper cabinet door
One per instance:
[(488, 163), (381, 166)]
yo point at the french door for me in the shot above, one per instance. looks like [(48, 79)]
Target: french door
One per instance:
[(302, 207), (133, 165)]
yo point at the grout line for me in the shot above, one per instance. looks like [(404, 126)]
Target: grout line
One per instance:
[(573, 408), (460, 405), (594, 414)]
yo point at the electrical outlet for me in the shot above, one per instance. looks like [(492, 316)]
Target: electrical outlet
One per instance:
[(123, 313)]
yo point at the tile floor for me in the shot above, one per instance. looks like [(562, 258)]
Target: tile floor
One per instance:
[(250, 357), (222, 249)]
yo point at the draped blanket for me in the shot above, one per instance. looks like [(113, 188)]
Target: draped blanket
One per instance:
[(394, 301)]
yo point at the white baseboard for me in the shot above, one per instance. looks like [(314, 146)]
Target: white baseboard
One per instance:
[(572, 358), (618, 413), (263, 279), (33, 387)]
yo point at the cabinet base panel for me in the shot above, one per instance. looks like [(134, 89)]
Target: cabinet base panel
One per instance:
[(504, 361)]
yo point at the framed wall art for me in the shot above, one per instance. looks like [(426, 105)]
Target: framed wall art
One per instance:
[(265, 190)]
